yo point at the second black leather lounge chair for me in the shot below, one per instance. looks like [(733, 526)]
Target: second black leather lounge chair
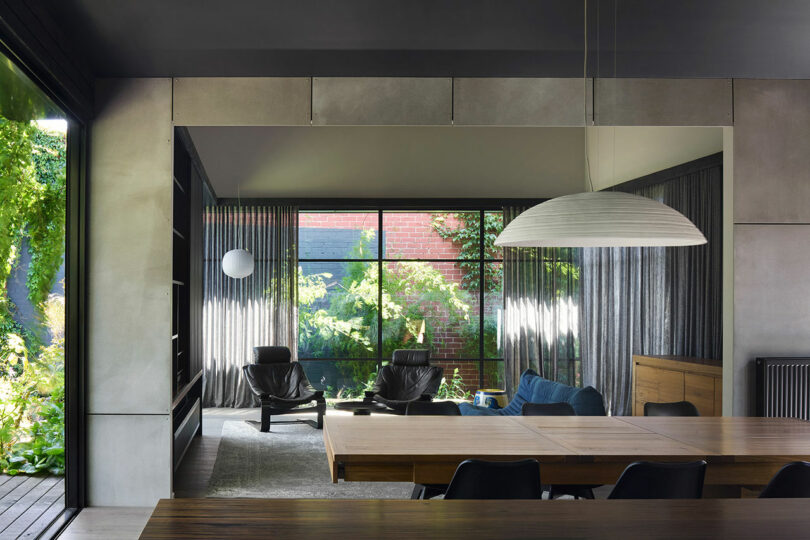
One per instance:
[(282, 386), (409, 377)]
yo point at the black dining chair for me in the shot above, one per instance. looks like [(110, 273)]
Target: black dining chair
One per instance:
[(677, 408), (432, 408), (792, 481), (648, 480), (559, 409), (547, 409), (476, 479)]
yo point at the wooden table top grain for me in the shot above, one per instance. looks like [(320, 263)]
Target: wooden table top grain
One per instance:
[(572, 449), (401, 519)]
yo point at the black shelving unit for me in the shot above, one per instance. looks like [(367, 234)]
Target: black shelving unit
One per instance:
[(186, 296)]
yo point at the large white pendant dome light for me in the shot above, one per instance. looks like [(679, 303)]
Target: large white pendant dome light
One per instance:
[(599, 218), (238, 263)]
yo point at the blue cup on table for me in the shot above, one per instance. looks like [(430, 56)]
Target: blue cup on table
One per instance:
[(490, 398)]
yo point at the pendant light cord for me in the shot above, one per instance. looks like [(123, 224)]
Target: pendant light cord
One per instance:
[(615, 82), (585, 95)]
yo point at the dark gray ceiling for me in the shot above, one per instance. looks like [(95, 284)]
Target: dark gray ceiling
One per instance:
[(656, 38)]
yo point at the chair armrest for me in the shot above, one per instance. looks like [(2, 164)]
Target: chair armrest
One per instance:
[(370, 395), (426, 397), (318, 394)]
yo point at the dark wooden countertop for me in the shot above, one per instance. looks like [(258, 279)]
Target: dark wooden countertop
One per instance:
[(405, 519)]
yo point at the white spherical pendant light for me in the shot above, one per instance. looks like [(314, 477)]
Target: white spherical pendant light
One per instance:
[(600, 219), (237, 263)]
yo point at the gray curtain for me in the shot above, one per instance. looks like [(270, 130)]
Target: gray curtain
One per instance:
[(261, 309), (658, 301), (541, 311)]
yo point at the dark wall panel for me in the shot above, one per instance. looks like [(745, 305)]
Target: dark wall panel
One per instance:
[(33, 38)]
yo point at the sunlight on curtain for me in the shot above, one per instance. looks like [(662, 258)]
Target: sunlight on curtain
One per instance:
[(541, 311), (239, 314)]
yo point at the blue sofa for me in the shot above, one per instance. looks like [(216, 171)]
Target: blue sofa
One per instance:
[(535, 389)]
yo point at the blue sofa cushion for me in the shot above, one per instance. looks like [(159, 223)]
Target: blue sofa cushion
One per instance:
[(535, 389)]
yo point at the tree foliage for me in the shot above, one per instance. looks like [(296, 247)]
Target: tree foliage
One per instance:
[(338, 318)]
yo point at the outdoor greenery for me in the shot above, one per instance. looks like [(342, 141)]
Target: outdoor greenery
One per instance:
[(453, 388), (32, 215)]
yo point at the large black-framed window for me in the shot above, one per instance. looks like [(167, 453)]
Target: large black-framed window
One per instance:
[(359, 255)]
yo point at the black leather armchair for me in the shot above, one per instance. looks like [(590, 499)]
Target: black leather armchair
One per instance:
[(409, 377), (282, 386)]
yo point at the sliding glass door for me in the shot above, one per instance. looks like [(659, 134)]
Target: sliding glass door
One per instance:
[(34, 287)]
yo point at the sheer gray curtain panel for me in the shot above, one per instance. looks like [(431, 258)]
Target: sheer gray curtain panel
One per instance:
[(541, 311), (261, 309), (658, 301)]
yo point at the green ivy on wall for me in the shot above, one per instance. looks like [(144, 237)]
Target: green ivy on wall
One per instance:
[(466, 236), (32, 207)]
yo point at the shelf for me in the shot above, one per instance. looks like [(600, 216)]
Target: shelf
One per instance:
[(180, 283), (179, 186), (178, 397)]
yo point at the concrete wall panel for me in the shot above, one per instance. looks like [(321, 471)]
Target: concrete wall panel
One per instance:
[(129, 459), (521, 102), (663, 102), (771, 310), (772, 127), (242, 101), (130, 249), (363, 101)]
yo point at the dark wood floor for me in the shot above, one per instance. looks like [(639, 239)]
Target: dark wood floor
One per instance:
[(28, 504), (191, 478)]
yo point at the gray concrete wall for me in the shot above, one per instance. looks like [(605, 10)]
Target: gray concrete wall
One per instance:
[(129, 294), (242, 101), (129, 270), (771, 227), (382, 101), (663, 102)]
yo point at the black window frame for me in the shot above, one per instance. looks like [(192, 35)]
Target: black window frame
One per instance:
[(382, 206)]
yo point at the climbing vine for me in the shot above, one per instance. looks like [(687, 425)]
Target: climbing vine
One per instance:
[(464, 231)]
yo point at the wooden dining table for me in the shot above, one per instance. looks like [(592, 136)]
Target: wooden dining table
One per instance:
[(571, 449)]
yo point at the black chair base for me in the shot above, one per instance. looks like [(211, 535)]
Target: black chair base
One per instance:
[(269, 411), (578, 492), (428, 491)]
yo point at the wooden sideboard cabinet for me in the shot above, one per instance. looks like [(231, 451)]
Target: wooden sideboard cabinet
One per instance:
[(678, 378)]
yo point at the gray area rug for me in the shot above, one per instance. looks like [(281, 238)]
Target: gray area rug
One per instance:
[(288, 462)]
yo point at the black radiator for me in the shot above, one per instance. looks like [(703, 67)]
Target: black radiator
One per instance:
[(783, 387)]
